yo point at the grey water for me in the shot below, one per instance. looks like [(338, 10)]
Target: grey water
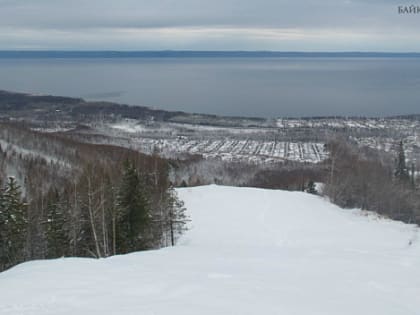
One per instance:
[(240, 86)]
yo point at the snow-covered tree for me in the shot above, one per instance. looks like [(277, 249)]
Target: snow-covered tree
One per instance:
[(13, 224)]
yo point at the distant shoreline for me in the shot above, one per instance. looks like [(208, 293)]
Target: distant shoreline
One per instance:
[(10, 98), (13, 54)]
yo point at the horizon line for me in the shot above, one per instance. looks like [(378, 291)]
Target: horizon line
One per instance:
[(212, 51), (194, 53)]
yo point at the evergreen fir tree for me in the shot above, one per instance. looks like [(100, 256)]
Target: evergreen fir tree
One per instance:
[(57, 240), (3, 232), (13, 224), (401, 171), (133, 213), (311, 188), (177, 217)]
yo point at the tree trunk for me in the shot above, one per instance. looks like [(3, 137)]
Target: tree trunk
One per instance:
[(92, 220)]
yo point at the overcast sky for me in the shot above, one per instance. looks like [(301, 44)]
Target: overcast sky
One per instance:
[(323, 25)]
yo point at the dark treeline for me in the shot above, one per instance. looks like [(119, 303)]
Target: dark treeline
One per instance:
[(300, 178), (286, 175), (371, 180), (72, 199)]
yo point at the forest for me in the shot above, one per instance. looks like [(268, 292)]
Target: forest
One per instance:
[(67, 198), (359, 177)]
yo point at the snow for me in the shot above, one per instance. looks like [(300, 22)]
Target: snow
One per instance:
[(10, 147), (249, 251)]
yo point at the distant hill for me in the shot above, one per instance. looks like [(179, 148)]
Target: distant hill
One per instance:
[(46, 107)]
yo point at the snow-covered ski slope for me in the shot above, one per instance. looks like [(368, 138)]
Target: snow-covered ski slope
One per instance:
[(249, 251)]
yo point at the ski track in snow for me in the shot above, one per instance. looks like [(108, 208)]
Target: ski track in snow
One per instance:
[(248, 251)]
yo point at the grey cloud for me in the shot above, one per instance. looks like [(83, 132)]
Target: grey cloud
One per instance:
[(166, 13), (77, 18)]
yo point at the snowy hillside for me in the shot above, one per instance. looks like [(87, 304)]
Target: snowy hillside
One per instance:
[(249, 251)]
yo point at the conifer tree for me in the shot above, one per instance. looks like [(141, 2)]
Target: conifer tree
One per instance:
[(133, 212), (13, 224), (3, 232), (311, 188), (177, 217), (57, 240), (401, 171)]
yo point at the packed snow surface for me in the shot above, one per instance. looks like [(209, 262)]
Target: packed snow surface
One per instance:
[(249, 251)]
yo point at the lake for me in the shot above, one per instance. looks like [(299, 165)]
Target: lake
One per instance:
[(266, 87)]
